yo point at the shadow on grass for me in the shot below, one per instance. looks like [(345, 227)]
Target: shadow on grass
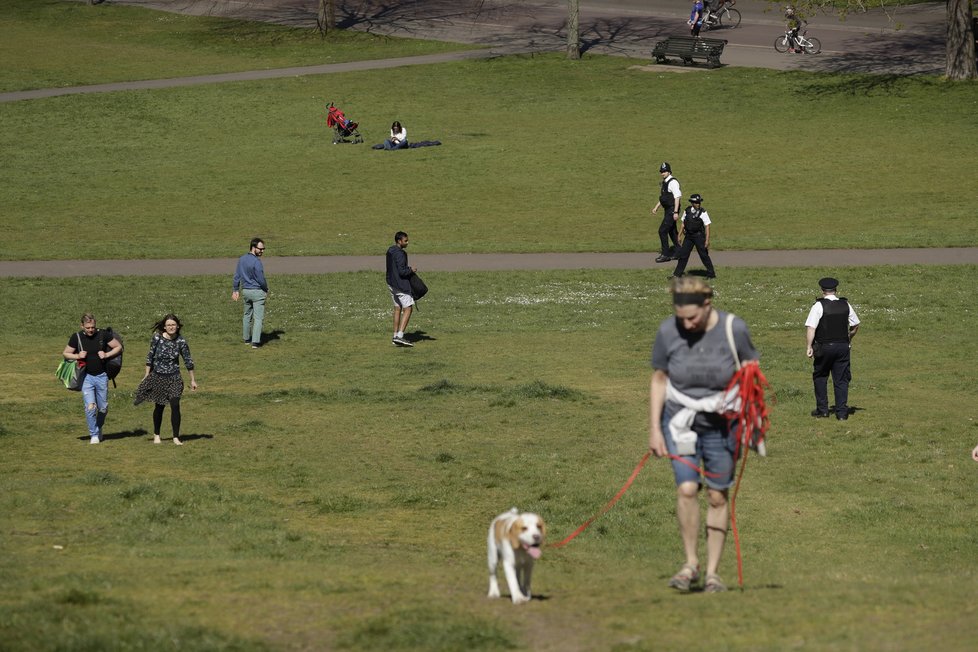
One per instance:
[(274, 336), (418, 336), (125, 434), (186, 438)]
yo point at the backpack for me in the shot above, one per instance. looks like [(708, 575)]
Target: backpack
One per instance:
[(418, 287), (114, 364)]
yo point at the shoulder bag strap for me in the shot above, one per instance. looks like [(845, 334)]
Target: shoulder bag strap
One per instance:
[(730, 339)]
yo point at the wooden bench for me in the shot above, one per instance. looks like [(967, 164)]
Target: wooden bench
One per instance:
[(687, 48)]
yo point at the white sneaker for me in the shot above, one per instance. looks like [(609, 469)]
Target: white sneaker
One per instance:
[(400, 341), (95, 440)]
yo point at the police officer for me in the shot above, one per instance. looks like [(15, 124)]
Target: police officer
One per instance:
[(669, 196), (696, 231), (830, 327)]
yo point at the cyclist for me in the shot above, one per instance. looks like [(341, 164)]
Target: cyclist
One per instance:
[(795, 24), (696, 17)]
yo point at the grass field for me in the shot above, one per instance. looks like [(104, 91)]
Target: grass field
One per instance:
[(333, 491), (538, 154)]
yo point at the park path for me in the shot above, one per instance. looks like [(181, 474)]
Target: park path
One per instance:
[(904, 40), (823, 258)]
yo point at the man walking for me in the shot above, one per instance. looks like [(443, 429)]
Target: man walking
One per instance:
[(696, 232), (669, 196), (399, 283), (249, 284), (830, 327), (92, 348)]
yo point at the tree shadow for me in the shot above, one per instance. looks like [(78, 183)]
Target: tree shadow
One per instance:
[(891, 58)]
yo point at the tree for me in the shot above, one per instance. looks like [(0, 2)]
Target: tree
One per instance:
[(573, 29), (326, 16), (960, 43)]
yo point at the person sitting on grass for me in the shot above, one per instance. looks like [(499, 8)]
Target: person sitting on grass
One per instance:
[(398, 139)]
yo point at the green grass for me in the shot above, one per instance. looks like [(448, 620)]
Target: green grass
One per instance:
[(53, 43), (539, 154), (334, 491)]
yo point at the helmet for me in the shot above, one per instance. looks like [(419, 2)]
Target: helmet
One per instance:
[(665, 167), (789, 9), (696, 198)]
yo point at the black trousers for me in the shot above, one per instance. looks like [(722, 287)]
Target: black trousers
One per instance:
[(668, 230), (835, 361), (699, 241)]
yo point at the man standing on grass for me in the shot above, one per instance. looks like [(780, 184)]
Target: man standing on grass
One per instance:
[(669, 196), (249, 284), (92, 349), (399, 283), (830, 327)]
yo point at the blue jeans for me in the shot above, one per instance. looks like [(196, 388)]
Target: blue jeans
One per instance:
[(254, 314), (715, 446), (389, 144), (95, 393)]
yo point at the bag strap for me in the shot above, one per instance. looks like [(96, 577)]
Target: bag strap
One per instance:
[(81, 347), (728, 326)]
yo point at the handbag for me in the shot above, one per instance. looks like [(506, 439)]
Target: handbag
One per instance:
[(418, 288), (70, 372)]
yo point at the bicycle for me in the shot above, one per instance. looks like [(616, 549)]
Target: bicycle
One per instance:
[(804, 43), (722, 17)]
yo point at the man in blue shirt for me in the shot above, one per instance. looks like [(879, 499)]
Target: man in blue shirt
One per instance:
[(249, 284)]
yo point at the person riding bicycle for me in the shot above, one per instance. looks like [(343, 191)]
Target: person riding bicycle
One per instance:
[(696, 17), (795, 24)]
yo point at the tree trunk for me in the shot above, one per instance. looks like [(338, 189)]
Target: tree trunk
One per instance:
[(573, 29), (960, 41), (326, 16)]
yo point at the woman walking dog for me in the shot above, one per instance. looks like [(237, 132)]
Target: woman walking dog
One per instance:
[(162, 383), (696, 353)]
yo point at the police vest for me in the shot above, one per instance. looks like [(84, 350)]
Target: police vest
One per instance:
[(692, 221), (666, 198), (834, 324)]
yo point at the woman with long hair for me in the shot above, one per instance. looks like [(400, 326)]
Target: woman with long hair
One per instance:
[(398, 139), (162, 383)]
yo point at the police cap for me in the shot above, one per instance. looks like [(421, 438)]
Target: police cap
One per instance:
[(665, 167), (828, 283)]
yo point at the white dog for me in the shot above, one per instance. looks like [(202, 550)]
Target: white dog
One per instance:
[(514, 540)]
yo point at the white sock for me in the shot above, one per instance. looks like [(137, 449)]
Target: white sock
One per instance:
[(399, 334)]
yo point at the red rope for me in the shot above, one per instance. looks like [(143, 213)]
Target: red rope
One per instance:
[(749, 419), (621, 492)]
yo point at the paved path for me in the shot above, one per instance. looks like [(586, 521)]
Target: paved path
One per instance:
[(833, 258), (904, 40)]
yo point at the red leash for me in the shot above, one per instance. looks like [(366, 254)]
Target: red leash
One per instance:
[(749, 419), (621, 492)]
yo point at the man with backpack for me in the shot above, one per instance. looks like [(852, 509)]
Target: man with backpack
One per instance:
[(399, 283), (94, 348), (696, 232)]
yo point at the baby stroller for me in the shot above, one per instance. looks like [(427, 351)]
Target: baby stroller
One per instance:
[(343, 127)]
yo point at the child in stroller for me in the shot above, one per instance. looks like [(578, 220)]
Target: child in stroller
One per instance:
[(343, 127)]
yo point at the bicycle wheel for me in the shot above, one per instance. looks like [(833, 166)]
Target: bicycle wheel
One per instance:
[(781, 44), (813, 45), (729, 18)]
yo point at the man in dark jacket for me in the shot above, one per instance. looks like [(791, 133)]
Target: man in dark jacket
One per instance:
[(399, 283)]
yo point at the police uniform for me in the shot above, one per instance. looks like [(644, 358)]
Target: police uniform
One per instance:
[(695, 220), (834, 321), (669, 202)]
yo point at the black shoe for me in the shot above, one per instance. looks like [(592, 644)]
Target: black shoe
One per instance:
[(841, 417), (818, 414), (711, 276), (663, 258)]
